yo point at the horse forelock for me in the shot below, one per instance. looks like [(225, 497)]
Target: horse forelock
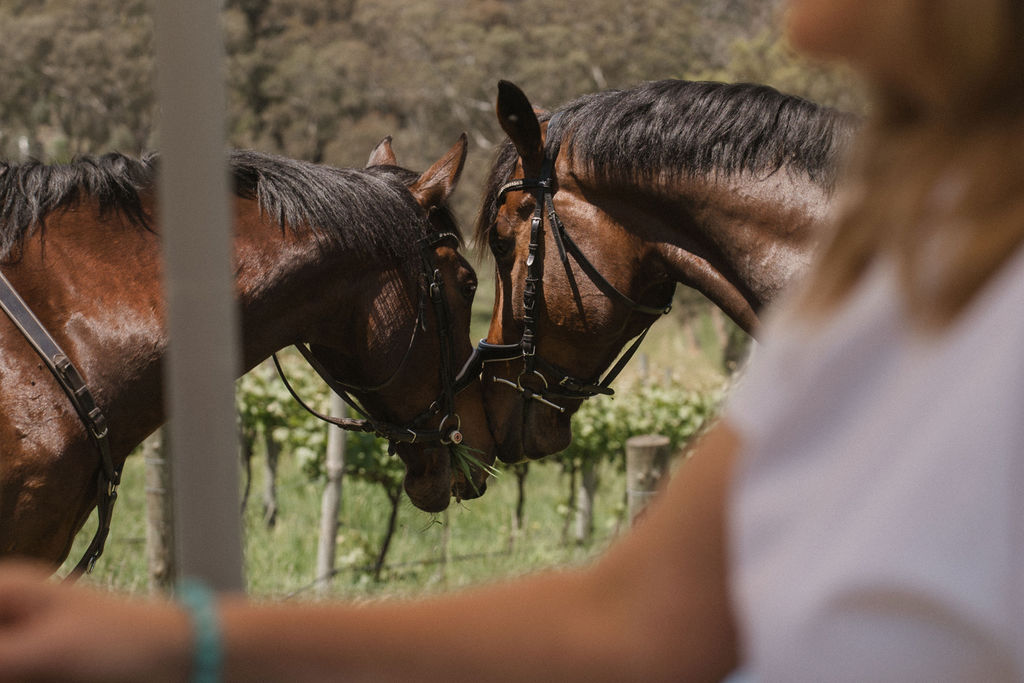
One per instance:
[(369, 213), (443, 214), (661, 131)]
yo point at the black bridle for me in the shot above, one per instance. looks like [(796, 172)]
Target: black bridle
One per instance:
[(532, 382), (448, 430)]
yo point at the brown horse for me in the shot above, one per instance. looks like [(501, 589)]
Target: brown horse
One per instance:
[(594, 213), (360, 264)]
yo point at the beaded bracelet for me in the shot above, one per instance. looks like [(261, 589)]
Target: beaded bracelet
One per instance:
[(200, 602)]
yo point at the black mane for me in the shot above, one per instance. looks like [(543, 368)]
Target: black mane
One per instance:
[(661, 131), (366, 210)]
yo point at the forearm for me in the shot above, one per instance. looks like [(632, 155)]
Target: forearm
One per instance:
[(548, 626), (655, 607)]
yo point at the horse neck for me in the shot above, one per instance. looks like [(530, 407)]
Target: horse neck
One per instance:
[(97, 287), (95, 284), (293, 289), (739, 240)]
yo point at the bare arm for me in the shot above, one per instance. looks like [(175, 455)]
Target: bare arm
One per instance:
[(52, 632), (654, 608)]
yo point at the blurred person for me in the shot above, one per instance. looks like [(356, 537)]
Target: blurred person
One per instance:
[(853, 515)]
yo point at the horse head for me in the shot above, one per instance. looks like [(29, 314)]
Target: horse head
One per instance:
[(577, 329), (595, 212), (415, 324)]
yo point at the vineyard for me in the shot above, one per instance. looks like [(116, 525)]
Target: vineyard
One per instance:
[(528, 519)]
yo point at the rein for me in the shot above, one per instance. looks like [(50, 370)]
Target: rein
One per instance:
[(413, 431), (535, 368), (74, 386)]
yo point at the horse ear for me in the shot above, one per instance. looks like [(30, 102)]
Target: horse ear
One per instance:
[(518, 120), (382, 154), (438, 182)]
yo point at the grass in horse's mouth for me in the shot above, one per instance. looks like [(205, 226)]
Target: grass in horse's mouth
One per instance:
[(464, 459)]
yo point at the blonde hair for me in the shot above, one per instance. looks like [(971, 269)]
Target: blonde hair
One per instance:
[(938, 182)]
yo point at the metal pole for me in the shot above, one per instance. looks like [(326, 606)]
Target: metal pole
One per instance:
[(202, 358)]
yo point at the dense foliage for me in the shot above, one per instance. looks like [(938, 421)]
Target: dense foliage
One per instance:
[(603, 424), (267, 410)]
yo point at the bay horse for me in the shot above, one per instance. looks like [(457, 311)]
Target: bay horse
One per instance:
[(361, 265), (594, 212)]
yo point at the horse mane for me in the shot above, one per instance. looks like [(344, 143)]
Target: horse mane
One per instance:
[(365, 210), (661, 131), (32, 190)]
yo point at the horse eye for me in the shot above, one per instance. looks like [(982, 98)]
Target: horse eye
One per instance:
[(468, 290)]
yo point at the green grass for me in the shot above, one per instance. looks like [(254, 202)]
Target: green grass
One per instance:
[(280, 562)]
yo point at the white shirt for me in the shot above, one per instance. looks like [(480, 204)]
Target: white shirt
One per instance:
[(877, 519)]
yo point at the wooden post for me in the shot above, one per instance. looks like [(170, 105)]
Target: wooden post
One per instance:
[(160, 555), (272, 454), (331, 501), (444, 549), (585, 502), (647, 460), (518, 512)]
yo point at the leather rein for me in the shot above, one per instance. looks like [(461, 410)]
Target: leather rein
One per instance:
[(532, 382)]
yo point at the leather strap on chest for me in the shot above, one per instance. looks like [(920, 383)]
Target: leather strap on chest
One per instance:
[(74, 386)]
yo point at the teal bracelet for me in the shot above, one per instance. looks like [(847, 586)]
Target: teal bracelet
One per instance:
[(201, 604)]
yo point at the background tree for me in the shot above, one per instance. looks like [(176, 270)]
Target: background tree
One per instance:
[(77, 77), (325, 81)]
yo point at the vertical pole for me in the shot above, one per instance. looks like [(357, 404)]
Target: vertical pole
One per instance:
[(201, 316), (444, 554), (647, 460), (163, 566), (585, 501), (331, 501)]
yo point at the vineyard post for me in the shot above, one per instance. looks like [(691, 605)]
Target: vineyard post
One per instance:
[(647, 461), (585, 501), (161, 559), (331, 501)]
